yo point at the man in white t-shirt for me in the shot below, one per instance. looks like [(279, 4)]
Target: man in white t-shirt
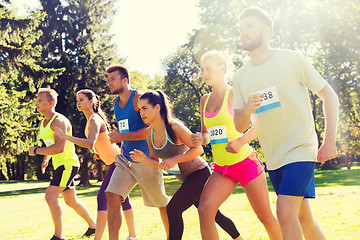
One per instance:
[(271, 91)]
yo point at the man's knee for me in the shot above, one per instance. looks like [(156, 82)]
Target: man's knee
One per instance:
[(113, 199)]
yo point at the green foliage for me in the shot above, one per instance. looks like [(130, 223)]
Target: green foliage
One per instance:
[(326, 32), (21, 73), (76, 38)]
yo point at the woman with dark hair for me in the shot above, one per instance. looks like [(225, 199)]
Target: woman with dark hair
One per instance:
[(170, 140), (96, 131)]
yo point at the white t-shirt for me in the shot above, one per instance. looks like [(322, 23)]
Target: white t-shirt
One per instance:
[(284, 124)]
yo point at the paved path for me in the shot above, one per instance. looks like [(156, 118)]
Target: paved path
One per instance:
[(24, 188)]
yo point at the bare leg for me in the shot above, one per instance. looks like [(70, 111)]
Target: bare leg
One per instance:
[(130, 222), (100, 224), (51, 196), (72, 201), (114, 215), (164, 219), (310, 226), (257, 193), (288, 208), (215, 192)]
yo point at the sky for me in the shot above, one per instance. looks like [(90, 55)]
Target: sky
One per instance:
[(145, 32)]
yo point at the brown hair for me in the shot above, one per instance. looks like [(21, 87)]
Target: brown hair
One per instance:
[(121, 69), (257, 12), (96, 106), (51, 94), (159, 97)]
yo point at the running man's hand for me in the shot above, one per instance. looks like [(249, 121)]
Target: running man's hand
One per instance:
[(115, 137), (31, 151), (138, 156), (197, 139), (326, 152), (44, 164), (253, 103), (167, 164), (59, 132), (234, 146)]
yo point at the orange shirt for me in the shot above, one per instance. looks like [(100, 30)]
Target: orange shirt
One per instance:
[(103, 147)]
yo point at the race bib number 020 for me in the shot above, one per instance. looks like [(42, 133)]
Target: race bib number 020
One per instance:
[(270, 99), (218, 135), (124, 125)]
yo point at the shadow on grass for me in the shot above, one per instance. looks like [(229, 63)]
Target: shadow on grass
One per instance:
[(325, 178), (10, 182), (342, 177)]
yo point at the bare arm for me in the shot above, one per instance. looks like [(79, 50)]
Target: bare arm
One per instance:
[(139, 156), (94, 130), (59, 145), (242, 116), (330, 100), (45, 163), (183, 134), (117, 137), (203, 137), (236, 145)]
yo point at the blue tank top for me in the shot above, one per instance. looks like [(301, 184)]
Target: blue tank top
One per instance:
[(129, 120)]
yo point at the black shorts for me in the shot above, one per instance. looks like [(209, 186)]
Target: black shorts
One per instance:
[(64, 176)]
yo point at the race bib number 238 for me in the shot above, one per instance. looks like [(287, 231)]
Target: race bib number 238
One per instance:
[(270, 99)]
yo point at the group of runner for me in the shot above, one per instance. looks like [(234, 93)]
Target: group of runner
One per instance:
[(270, 91)]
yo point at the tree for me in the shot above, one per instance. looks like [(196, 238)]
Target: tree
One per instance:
[(76, 38), (326, 32), (20, 74)]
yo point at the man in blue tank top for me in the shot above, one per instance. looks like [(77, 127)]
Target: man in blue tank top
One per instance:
[(127, 173)]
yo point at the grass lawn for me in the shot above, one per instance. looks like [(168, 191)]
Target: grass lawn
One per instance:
[(25, 215)]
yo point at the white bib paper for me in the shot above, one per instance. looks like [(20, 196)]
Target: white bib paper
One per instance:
[(174, 170), (124, 125), (218, 135), (270, 99), (48, 142)]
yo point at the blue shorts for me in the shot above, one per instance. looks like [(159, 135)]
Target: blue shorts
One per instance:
[(294, 179)]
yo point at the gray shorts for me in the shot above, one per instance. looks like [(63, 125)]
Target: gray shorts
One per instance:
[(150, 180)]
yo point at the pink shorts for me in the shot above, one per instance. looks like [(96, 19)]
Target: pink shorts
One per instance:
[(242, 172)]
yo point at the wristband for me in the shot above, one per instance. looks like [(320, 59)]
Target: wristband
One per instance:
[(35, 150)]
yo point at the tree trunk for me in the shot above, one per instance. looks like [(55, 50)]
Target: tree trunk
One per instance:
[(99, 167), (84, 169)]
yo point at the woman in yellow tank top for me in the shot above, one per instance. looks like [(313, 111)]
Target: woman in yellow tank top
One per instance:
[(96, 132), (235, 161)]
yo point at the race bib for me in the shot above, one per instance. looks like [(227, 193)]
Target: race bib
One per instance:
[(174, 170), (124, 125), (270, 99), (218, 135), (49, 142)]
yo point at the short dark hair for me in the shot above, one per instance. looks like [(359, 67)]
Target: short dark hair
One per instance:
[(121, 69), (257, 12)]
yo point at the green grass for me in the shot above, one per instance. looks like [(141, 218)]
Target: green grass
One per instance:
[(25, 215)]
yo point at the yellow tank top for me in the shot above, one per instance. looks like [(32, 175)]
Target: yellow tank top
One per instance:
[(222, 130), (68, 157)]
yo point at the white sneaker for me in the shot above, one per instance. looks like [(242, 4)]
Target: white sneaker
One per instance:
[(131, 238)]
